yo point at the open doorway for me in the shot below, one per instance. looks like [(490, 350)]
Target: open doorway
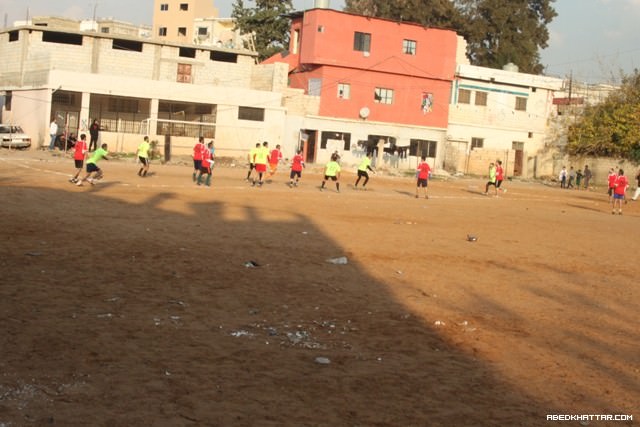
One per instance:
[(518, 147), (308, 144)]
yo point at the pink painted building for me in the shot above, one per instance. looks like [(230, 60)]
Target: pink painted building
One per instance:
[(372, 70)]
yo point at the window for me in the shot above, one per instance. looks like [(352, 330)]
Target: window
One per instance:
[(521, 103), (344, 90), (223, 56), (341, 138), (187, 52), (295, 42), (203, 31), (184, 6), (164, 7), (315, 87), (186, 112), (477, 143), (182, 31), (464, 96), (383, 96), (162, 31), (104, 30), (421, 147), (251, 113), (63, 98), (184, 73), (14, 36), (409, 47), (123, 105), (481, 98), (130, 45), (62, 38), (362, 42), (8, 97)]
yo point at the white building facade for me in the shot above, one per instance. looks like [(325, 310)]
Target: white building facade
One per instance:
[(136, 87)]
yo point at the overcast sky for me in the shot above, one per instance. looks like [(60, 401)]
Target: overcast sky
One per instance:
[(592, 40)]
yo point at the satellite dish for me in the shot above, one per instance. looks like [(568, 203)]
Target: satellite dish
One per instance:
[(364, 112)]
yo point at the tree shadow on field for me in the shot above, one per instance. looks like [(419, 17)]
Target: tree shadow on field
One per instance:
[(137, 314)]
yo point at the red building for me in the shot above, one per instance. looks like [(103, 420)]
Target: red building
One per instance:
[(388, 71), (382, 85)]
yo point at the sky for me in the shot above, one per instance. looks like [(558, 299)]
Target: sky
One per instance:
[(592, 41)]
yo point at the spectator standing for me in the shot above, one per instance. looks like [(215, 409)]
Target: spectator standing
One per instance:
[(53, 133), (94, 131), (587, 176), (563, 177), (572, 177), (637, 193)]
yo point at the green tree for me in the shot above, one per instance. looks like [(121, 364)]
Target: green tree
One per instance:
[(503, 31), (497, 31), (430, 13), (610, 129), (267, 22)]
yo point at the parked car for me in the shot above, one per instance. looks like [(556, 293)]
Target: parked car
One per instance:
[(12, 136)]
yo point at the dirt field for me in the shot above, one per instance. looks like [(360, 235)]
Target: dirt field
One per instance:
[(129, 303)]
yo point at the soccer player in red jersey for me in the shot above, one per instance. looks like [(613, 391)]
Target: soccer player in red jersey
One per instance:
[(499, 177), (619, 190), (611, 180), (297, 164), (198, 154), (275, 157), (206, 166), (79, 156), (423, 172)]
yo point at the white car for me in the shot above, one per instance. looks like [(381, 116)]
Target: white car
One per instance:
[(12, 136)]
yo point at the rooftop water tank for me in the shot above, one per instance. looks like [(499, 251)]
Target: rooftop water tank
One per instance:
[(510, 67), (321, 4)]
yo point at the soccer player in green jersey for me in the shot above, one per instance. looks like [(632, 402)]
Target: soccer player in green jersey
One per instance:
[(332, 172)]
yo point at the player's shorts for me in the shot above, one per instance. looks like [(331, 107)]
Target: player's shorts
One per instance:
[(332, 178), (92, 167), (197, 164), (610, 191), (260, 167), (273, 167), (143, 160), (618, 196), (363, 174), (491, 183), (79, 163), (498, 183), (293, 174), (422, 182), (205, 170)]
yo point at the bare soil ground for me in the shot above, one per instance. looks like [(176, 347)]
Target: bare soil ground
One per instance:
[(129, 303)]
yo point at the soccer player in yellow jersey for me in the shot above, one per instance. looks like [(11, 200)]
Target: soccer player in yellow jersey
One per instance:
[(365, 166), (332, 172)]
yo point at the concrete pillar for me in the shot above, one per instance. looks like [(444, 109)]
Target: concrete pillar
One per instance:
[(85, 120)]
